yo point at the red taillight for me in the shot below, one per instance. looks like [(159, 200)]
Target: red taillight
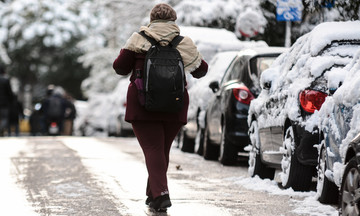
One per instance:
[(243, 95), (311, 100), (53, 124)]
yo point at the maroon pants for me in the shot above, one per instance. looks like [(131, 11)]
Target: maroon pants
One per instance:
[(155, 138)]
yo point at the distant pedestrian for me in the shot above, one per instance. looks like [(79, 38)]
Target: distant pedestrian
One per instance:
[(53, 109), (6, 97), (15, 113), (156, 131), (70, 115)]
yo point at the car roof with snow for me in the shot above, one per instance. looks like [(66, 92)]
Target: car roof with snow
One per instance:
[(210, 41), (261, 50)]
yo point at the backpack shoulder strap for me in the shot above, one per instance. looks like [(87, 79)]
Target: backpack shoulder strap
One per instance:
[(150, 39), (176, 40)]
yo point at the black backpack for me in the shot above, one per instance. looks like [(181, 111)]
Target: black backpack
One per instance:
[(163, 76)]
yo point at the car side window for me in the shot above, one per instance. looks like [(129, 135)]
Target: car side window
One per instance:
[(234, 71), (229, 71)]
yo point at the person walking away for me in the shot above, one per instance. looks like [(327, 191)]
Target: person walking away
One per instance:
[(15, 113), (6, 98), (156, 130), (70, 115), (53, 109)]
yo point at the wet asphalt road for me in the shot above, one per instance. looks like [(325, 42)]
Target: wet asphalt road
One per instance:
[(107, 176)]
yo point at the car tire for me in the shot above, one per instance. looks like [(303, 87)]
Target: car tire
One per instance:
[(185, 143), (349, 192), (256, 166), (211, 151), (228, 152), (294, 174), (199, 142), (327, 190)]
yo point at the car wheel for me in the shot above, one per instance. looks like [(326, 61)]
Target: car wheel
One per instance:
[(327, 190), (199, 142), (185, 143), (294, 174), (211, 152), (350, 187), (228, 153), (256, 166)]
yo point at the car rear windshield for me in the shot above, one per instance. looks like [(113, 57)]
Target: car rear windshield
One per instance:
[(262, 63), (341, 48)]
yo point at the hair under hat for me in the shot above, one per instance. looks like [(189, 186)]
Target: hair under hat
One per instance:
[(163, 11)]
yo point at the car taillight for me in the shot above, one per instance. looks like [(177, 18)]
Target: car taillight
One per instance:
[(243, 95), (311, 100)]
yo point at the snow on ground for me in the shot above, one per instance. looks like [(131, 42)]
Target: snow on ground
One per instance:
[(109, 156), (308, 206), (100, 159), (12, 198)]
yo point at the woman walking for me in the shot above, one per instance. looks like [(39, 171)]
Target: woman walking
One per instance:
[(156, 131)]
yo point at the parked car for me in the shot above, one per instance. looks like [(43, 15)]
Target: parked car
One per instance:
[(337, 121), (117, 126), (292, 89), (350, 187), (209, 42), (199, 95), (104, 113), (225, 133)]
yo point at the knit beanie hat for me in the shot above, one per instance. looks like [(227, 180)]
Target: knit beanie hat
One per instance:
[(163, 11)]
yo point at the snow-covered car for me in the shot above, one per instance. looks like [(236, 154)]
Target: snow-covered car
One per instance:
[(350, 188), (209, 42), (226, 129), (104, 113), (292, 89), (337, 121), (199, 96), (117, 126)]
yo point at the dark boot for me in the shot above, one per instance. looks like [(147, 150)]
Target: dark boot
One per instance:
[(148, 200), (161, 203)]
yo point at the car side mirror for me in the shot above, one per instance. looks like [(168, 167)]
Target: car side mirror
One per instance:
[(267, 85), (333, 90), (214, 85)]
